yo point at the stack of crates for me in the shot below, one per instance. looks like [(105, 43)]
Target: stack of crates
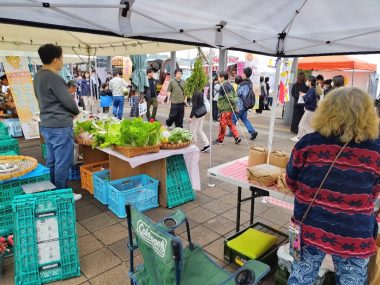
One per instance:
[(7, 143), (12, 188), (87, 171), (14, 127), (178, 185), (46, 237)]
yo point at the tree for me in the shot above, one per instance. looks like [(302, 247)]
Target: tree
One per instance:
[(198, 79)]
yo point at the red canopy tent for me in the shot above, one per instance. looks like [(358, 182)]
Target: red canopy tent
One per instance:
[(354, 70), (335, 63)]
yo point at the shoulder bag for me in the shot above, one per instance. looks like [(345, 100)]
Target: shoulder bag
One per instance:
[(295, 227)]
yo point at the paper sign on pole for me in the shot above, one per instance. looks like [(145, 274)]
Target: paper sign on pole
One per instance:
[(143, 108), (21, 85)]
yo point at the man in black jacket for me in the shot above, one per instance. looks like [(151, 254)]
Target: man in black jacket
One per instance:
[(151, 95)]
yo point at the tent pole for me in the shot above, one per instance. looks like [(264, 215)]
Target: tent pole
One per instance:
[(274, 107), (210, 184), (352, 79)]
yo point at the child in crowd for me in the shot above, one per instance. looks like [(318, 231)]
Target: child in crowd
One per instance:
[(134, 100), (105, 98)]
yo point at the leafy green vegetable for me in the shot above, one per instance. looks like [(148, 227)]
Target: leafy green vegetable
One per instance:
[(85, 126), (179, 135), (113, 136), (138, 133)]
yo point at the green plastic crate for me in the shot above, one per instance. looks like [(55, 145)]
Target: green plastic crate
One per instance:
[(10, 144), (11, 152), (4, 131), (31, 265), (43, 150), (6, 219), (11, 188), (178, 185)]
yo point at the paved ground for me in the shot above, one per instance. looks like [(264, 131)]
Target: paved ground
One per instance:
[(102, 236)]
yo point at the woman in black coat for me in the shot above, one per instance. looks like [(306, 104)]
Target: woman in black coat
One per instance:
[(298, 111)]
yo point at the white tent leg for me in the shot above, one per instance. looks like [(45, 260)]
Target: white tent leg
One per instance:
[(274, 108), (210, 184)]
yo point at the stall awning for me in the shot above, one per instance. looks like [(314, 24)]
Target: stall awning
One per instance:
[(271, 27), (335, 63)]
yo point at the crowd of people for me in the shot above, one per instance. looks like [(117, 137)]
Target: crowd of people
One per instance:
[(307, 93)]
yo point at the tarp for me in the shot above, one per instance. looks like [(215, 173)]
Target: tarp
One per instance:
[(25, 38), (272, 27), (335, 63)]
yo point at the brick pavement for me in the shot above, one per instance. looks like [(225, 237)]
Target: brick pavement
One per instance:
[(102, 236)]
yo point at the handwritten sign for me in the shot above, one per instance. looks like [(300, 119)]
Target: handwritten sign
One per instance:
[(21, 86), (143, 108)]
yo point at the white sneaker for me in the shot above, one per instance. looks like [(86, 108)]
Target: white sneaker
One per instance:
[(77, 197), (295, 139)]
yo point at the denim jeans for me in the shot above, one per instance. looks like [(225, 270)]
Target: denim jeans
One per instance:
[(118, 106), (349, 271), (242, 115), (59, 154)]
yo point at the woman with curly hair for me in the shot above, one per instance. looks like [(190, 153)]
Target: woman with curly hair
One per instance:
[(341, 219)]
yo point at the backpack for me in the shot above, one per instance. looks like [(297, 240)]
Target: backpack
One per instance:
[(250, 100)]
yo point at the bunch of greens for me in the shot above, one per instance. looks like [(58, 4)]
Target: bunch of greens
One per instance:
[(138, 133), (179, 135), (81, 127), (112, 136)]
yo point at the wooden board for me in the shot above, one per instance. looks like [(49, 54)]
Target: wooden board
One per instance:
[(91, 155)]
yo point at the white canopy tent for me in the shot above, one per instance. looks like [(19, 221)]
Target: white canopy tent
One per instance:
[(286, 28)]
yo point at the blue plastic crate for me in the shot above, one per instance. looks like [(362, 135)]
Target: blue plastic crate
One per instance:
[(43, 150), (101, 179), (74, 172), (3, 131), (14, 127), (42, 209), (141, 191), (179, 189)]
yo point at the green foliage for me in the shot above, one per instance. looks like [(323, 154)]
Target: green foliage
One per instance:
[(179, 135), (197, 80)]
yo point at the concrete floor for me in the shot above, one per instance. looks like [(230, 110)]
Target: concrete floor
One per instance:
[(104, 257)]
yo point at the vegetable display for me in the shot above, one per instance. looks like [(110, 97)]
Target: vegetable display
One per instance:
[(112, 132), (176, 136)]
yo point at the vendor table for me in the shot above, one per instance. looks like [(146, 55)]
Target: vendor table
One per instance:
[(153, 164), (235, 173)]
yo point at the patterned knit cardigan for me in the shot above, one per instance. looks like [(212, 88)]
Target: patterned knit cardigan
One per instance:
[(341, 220)]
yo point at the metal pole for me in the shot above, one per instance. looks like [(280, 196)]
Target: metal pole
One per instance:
[(274, 108), (172, 63), (352, 80), (210, 184)]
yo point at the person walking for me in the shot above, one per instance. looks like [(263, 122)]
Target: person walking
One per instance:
[(299, 104), (243, 91), (216, 88), (117, 85), (57, 111), (151, 95), (334, 172), (311, 102), (263, 95), (86, 91), (226, 106), (197, 117), (269, 96), (319, 87), (177, 100)]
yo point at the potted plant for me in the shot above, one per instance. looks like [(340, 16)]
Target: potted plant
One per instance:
[(6, 244)]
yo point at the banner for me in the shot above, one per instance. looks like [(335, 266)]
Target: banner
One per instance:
[(21, 86), (164, 90), (284, 81)]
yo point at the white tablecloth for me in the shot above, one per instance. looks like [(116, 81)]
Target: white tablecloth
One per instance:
[(190, 153)]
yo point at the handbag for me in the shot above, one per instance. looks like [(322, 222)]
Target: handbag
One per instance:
[(200, 112), (300, 100), (206, 103), (295, 227)]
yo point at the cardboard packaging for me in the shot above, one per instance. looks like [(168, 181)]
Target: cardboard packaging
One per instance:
[(278, 158), (264, 174), (257, 155)]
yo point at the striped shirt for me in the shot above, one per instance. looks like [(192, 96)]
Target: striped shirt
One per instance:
[(341, 220)]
